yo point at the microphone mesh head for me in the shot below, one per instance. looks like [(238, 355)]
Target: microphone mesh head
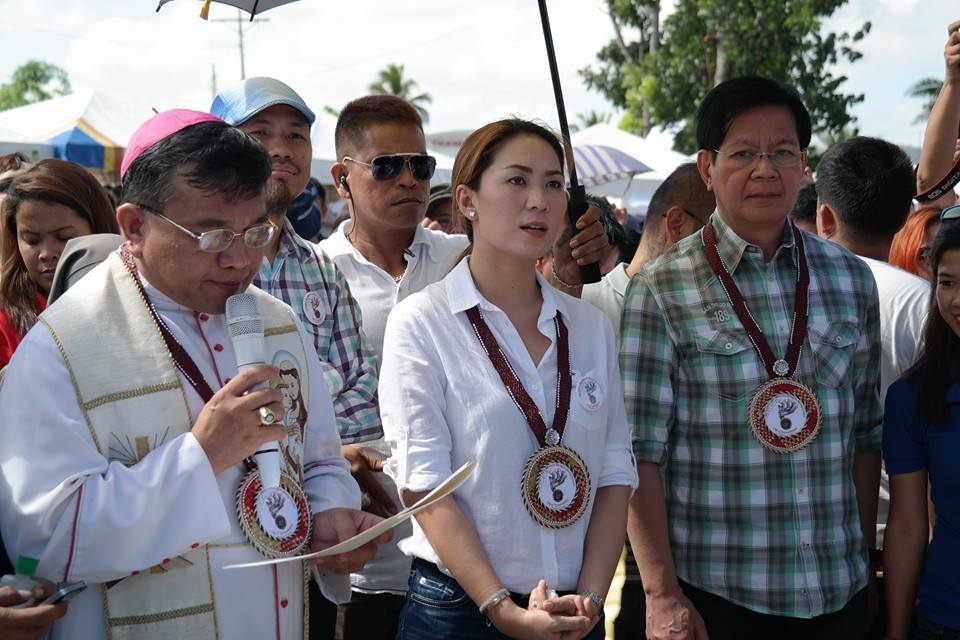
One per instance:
[(243, 315)]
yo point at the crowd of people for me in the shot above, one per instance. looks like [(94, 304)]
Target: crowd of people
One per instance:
[(757, 403)]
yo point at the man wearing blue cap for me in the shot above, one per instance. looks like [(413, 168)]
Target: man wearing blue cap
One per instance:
[(296, 272)]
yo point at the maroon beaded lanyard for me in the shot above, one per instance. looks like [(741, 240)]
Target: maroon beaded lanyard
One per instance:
[(798, 333), (514, 387)]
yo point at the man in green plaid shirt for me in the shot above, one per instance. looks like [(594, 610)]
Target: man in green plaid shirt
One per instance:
[(732, 538)]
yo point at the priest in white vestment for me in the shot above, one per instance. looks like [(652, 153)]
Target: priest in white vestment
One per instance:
[(115, 469)]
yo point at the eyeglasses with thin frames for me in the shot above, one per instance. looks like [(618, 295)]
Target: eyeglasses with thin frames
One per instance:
[(218, 240), (781, 158), (388, 167)]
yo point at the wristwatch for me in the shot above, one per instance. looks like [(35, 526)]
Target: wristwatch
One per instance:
[(596, 599)]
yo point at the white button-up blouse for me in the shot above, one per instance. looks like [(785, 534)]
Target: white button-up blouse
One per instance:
[(443, 404)]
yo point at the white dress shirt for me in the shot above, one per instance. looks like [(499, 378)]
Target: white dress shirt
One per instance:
[(429, 258), (904, 301), (59, 496), (443, 404), (607, 295)]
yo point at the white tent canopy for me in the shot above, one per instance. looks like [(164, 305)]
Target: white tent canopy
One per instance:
[(34, 149), (112, 117)]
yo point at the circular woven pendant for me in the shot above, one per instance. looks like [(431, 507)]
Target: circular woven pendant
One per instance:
[(784, 415), (555, 486), (276, 521)]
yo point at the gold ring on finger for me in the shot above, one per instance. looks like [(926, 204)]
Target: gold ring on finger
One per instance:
[(267, 416)]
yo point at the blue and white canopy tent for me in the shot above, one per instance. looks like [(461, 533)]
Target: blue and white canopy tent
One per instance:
[(90, 128)]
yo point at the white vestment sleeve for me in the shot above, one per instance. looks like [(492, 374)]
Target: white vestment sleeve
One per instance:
[(62, 502)]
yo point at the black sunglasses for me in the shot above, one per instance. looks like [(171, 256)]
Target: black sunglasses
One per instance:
[(384, 168)]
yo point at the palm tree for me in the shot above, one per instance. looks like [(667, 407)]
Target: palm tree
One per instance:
[(391, 81), (592, 117), (926, 89)]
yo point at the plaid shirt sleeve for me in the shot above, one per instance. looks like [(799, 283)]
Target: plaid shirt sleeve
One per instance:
[(351, 370), (868, 420), (648, 365)]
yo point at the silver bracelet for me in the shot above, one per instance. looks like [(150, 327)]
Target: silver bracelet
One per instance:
[(558, 279), (498, 597)]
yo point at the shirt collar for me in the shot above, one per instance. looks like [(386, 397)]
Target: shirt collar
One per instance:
[(338, 244), (160, 300), (462, 294), (732, 247), (290, 241)]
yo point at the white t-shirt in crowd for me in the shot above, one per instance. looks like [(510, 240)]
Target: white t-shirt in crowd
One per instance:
[(607, 295), (443, 404), (429, 258), (904, 302)]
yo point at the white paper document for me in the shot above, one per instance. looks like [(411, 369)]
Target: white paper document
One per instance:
[(446, 488)]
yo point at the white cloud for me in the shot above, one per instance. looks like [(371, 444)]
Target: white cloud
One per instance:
[(479, 60)]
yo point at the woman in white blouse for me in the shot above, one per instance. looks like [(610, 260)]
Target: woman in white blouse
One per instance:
[(494, 364)]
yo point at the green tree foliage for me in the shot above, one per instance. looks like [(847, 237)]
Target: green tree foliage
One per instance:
[(392, 81), (660, 77), (927, 89), (33, 81)]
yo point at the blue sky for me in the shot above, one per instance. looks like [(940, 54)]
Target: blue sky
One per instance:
[(479, 60)]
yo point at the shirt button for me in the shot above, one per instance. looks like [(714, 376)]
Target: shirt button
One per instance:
[(195, 545), (839, 339), (728, 346), (218, 347), (801, 491), (803, 592), (166, 561), (203, 317), (284, 603)]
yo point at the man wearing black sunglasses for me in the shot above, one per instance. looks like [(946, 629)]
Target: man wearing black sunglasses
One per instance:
[(384, 175)]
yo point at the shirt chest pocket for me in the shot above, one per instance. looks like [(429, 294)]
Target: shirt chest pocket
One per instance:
[(727, 364), (834, 346)]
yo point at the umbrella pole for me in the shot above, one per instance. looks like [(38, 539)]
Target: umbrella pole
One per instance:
[(578, 195)]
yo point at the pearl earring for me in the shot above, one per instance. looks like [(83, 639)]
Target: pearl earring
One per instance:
[(472, 214)]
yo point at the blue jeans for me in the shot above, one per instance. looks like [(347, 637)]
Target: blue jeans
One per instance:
[(437, 608), (927, 630)]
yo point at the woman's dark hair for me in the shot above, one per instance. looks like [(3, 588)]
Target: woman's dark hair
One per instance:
[(938, 366), (54, 182), (728, 100), (477, 152)]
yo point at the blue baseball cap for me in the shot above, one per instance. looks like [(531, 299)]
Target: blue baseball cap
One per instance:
[(240, 102)]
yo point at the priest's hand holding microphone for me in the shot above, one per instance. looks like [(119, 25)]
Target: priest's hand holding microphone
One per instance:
[(244, 419)]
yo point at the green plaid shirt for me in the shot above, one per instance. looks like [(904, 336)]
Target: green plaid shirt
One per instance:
[(776, 533), (333, 320)]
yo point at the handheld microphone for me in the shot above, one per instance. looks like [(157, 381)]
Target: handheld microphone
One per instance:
[(246, 333)]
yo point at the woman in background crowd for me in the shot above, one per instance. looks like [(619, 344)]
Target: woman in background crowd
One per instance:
[(539, 406), (44, 207), (910, 248), (921, 434)]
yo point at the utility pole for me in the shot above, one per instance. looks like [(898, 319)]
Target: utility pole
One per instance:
[(240, 29)]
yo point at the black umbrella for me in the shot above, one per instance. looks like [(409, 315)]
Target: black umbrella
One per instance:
[(578, 195)]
